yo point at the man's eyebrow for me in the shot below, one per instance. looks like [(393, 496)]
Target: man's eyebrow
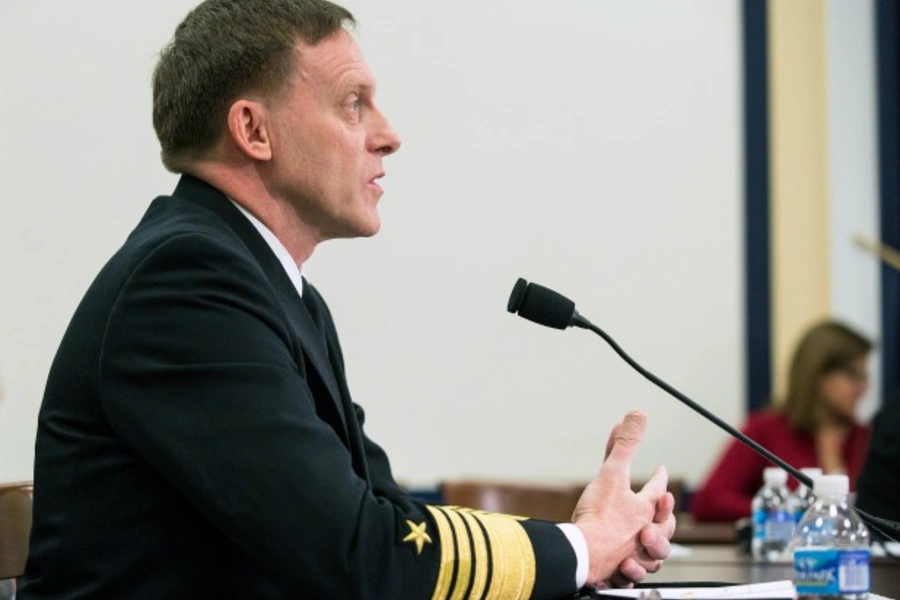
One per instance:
[(358, 86), (355, 81)]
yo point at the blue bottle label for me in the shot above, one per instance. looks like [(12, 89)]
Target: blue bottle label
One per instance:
[(830, 571), (773, 525), (779, 526), (759, 524)]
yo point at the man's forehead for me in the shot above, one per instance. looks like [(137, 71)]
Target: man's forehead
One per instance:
[(336, 57)]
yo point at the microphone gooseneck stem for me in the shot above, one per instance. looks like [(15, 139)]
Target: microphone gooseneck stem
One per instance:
[(876, 523), (802, 477)]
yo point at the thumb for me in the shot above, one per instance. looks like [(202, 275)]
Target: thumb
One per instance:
[(628, 436), (612, 439)]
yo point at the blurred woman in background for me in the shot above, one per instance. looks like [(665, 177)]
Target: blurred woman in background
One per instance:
[(815, 425)]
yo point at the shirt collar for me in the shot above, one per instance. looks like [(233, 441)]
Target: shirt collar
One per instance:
[(294, 272)]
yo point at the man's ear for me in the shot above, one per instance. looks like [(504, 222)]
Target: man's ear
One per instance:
[(249, 128)]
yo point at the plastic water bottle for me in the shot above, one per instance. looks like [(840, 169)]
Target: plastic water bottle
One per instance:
[(831, 546), (803, 496), (773, 521)]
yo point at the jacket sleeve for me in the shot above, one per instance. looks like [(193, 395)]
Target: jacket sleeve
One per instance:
[(880, 477), (201, 376)]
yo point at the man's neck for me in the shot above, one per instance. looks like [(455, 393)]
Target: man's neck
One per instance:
[(246, 189)]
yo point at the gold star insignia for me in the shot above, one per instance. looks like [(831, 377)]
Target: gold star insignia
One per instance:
[(417, 535)]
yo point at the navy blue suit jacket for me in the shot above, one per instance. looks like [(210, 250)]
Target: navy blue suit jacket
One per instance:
[(197, 440)]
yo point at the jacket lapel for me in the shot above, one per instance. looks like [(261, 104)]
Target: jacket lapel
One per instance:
[(199, 192)]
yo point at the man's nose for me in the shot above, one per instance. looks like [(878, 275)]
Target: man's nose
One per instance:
[(383, 139)]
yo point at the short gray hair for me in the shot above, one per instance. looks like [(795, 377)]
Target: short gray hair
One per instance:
[(221, 50)]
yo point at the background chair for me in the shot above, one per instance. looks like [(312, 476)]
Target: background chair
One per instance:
[(538, 501), (557, 502), (535, 500), (15, 526)]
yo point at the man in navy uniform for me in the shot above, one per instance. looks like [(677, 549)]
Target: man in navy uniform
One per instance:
[(197, 438)]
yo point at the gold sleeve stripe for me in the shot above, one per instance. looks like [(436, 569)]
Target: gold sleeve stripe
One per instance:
[(448, 554), (513, 564), (498, 555), (463, 557), (484, 556), (525, 565), (481, 555), (529, 564), (506, 573)]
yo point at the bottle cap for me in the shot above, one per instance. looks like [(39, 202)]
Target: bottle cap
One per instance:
[(832, 485), (775, 476), (813, 473)]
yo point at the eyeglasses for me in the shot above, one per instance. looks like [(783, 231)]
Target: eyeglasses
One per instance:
[(856, 375)]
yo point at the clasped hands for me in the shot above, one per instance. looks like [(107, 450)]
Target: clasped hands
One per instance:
[(627, 532)]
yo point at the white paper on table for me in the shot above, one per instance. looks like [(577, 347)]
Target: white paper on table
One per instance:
[(774, 589), (679, 551)]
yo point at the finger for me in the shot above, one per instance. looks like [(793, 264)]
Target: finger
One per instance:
[(628, 438), (656, 544), (632, 570), (665, 507), (617, 580), (668, 528), (656, 485), (644, 563), (620, 581)]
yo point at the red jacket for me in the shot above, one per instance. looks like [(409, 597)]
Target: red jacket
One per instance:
[(729, 488)]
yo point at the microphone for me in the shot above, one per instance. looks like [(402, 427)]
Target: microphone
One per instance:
[(542, 305), (547, 307)]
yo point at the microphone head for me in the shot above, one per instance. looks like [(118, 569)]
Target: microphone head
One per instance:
[(541, 305)]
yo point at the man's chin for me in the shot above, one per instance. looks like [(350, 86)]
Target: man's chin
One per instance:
[(368, 229), (359, 230), (371, 226)]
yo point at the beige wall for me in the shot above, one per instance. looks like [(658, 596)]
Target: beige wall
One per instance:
[(799, 173)]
